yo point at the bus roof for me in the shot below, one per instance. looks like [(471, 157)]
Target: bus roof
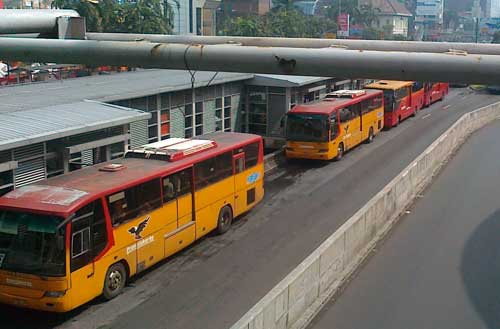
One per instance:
[(389, 84), (330, 105), (62, 195)]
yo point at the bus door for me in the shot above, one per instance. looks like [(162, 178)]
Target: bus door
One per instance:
[(349, 127), (240, 202), (89, 237), (178, 195)]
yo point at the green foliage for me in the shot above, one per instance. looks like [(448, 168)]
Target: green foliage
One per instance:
[(283, 22), (143, 16)]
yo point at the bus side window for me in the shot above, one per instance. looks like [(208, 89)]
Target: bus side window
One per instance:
[(355, 110), (134, 201), (334, 127), (251, 154), (89, 234), (177, 185), (345, 115), (213, 170)]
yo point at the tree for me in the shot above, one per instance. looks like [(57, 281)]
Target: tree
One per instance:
[(283, 4), (366, 15), (280, 22), (143, 16)]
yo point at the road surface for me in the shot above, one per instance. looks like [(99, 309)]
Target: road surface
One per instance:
[(440, 268), (212, 284)]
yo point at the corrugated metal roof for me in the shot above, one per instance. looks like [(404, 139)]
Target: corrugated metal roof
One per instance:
[(285, 80), (42, 124), (106, 88)]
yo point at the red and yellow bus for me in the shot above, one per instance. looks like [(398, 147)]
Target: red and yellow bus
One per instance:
[(71, 238), (326, 129), (398, 101)]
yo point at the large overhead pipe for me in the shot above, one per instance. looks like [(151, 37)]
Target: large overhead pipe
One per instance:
[(377, 45), (13, 21), (230, 58)]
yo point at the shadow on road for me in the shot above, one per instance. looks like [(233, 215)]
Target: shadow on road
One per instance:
[(480, 269)]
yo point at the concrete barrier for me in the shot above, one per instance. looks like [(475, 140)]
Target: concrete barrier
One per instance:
[(296, 299), (273, 160)]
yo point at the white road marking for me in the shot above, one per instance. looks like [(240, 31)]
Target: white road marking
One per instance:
[(426, 116), (446, 107)]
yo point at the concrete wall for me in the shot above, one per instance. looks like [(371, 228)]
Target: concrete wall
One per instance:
[(297, 298)]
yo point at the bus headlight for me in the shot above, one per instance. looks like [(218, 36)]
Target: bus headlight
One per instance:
[(55, 294)]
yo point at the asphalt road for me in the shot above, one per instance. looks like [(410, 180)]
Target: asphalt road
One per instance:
[(212, 284), (440, 268)]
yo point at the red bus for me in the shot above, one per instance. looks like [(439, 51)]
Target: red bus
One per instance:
[(398, 101), (435, 91)]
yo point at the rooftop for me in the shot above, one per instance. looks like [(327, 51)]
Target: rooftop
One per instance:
[(276, 80), (46, 123), (330, 105), (106, 88), (389, 84)]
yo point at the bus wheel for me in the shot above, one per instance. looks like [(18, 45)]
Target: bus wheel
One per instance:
[(370, 136), (340, 152), (225, 220), (414, 113), (115, 280)]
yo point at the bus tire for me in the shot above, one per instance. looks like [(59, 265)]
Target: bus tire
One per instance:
[(414, 113), (340, 152), (225, 220), (371, 136), (114, 281)]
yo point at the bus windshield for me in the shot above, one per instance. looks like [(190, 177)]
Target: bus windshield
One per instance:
[(32, 244), (307, 127), (389, 100)]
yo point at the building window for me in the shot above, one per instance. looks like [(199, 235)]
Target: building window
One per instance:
[(199, 25), (6, 182), (190, 16), (188, 120), (117, 150), (227, 113), (257, 110), (218, 114), (165, 124), (199, 118)]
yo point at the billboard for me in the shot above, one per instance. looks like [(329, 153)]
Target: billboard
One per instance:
[(343, 25)]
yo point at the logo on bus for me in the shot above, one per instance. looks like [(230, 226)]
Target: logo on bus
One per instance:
[(137, 230), (253, 178)]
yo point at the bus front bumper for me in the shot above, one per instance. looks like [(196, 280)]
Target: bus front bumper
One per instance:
[(292, 153), (34, 299)]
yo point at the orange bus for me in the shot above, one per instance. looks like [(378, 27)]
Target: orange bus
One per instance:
[(71, 238), (326, 129), (398, 103)]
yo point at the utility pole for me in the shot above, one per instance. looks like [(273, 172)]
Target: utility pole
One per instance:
[(476, 13)]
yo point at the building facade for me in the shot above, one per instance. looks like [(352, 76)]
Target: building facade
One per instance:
[(70, 124), (196, 17), (392, 16), (492, 9), (430, 12), (245, 7), (269, 97)]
